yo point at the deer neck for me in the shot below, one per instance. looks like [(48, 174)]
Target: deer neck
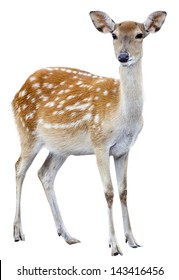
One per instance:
[(131, 91)]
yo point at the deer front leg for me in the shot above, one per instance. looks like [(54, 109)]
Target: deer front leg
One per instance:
[(102, 157), (47, 174), (121, 174)]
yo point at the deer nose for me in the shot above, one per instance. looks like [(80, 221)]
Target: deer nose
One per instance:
[(123, 57)]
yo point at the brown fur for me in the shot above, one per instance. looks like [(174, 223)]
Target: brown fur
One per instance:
[(74, 85)]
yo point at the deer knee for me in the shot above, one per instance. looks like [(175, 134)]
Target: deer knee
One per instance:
[(45, 178), (20, 170), (109, 198), (123, 196), (17, 165), (41, 174)]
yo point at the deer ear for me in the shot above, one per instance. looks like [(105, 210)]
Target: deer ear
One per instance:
[(102, 21), (154, 21)]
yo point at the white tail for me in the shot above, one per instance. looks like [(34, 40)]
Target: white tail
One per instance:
[(73, 112)]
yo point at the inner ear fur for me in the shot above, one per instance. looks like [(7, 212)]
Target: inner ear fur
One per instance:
[(102, 21), (154, 21)]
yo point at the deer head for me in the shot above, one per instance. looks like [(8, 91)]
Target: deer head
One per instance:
[(128, 35)]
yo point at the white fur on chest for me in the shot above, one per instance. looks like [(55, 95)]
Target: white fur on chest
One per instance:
[(125, 138)]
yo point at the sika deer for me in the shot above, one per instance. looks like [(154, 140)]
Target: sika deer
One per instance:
[(73, 112)]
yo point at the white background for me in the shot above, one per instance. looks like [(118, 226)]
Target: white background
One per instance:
[(40, 33)]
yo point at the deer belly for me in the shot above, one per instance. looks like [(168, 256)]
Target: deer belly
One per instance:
[(64, 142)]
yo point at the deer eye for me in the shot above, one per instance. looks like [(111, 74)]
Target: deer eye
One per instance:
[(114, 36), (139, 36)]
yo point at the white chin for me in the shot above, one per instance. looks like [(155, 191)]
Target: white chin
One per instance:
[(128, 63)]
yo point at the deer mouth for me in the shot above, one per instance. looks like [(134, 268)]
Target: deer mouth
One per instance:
[(127, 63)]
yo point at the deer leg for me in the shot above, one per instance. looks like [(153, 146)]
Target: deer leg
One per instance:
[(47, 174), (104, 170), (27, 156), (121, 174)]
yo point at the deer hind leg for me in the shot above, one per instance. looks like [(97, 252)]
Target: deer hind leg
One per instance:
[(28, 152), (47, 174), (121, 174), (102, 157)]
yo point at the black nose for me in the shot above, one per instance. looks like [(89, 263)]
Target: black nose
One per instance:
[(123, 57)]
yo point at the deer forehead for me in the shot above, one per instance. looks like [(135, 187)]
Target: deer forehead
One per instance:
[(128, 28)]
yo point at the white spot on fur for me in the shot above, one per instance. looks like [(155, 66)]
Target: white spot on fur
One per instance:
[(36, 85), (86, 99), (91, 108), (50, 85), (85, 86), (55, 113), (87, 117), (105, 92), (61, 112), (32, 78), (81, 107), (96, 98), (98, 89), (79, 83), (73, 114), (108, 104), (50, 104), (22, 93), (30, 115), (47, 85), (71, 97), (39, 91), (61, 91), (24, 106), (60, 104), (115, 90), (100, 81), (96, 119), (22, 122), (44, 98)]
